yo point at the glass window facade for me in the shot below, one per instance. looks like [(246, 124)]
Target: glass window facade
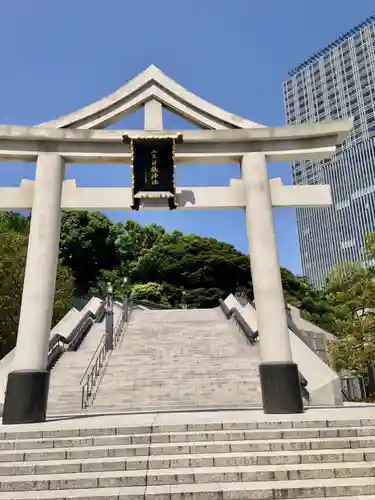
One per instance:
[(337, 82)]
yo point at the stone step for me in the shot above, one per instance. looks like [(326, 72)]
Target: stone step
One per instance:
[(35, 432), (122, 375), (174, 366), (64, 402), (162, 396), (162, 393), (67, 395), (135, 370), (176, 404), (147, 437), (162, 400), (100, 478), (180, 366), (299, 465), (116, 452), (363, 488), (76, 406), (140, 444), (134, 374), (187, 381), (207, 377), (184, 379), (98, 408), (62, 411), (121, 409)]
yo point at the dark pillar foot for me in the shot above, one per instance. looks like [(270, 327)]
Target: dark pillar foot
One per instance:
[(281, 389), (26, 397)]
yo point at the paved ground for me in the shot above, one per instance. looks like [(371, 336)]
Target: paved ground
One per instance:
[(349, 412)]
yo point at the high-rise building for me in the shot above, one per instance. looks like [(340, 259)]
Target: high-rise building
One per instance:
[(336, 82)]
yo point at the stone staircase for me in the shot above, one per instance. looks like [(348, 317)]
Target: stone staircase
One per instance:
[(180, 359), (65, 392), (227, 460)]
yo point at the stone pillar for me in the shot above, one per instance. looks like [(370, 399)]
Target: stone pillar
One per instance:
[(153, 115), (279, 376), (27, 386)]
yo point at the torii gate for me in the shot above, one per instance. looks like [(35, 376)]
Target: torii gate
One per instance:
[(78, 138)]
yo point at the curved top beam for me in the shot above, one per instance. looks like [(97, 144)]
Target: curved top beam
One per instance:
[(151, 83)]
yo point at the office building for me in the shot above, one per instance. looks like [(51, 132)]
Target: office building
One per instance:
[(334, 83)]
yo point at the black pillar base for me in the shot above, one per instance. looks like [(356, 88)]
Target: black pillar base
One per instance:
[(26, 397), (281, 389)]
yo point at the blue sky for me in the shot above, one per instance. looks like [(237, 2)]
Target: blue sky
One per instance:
[(58, 56)]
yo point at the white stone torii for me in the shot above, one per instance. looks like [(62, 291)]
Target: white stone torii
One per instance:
[(77, 138)]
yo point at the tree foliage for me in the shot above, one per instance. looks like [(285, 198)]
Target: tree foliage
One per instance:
[(87, 246), (350, 291), (148, 291), (354, 346), (200, 270), (189, 269), (13, 251)]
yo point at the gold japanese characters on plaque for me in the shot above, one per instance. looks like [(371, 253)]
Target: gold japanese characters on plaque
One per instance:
[(153, 169)]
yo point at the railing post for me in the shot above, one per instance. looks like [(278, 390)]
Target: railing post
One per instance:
[(109, 319), (125, 301), (362, 387), (371, 379), (126, 309)]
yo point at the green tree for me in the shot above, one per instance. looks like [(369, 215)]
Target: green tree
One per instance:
[(15, 222), (350, 291), (13, 251), (312, 303), (116, 278), (193, 265), (152, 292), (354, 347), (64, 292), (199, 270), (88, 246)]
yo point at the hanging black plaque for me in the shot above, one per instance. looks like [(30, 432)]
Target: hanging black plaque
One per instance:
[(153, 169)]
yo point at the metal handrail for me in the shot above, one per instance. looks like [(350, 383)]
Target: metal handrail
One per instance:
[(92, 357), (250, 335), (118, 329), (89, 384), (91, 378), (235, 315)]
